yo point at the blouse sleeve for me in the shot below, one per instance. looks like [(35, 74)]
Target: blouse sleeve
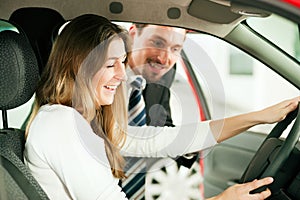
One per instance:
[(150, 141)]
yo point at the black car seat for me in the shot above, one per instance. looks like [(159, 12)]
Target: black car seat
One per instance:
[(19, 77), (40, 25)]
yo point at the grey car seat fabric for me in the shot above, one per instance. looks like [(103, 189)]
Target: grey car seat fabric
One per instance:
[(19, 77)]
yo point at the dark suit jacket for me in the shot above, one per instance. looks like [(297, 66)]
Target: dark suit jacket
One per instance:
[(157, 101), (158, 112)]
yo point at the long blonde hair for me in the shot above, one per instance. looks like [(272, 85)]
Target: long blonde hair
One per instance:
[(78, 53)]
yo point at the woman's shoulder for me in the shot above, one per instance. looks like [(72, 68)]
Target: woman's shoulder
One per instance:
[(55, 118), (56, 109), (57, 113), (56, 123)]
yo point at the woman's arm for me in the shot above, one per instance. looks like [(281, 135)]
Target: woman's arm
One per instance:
[(176, 141), (150, 141), (229, 127)]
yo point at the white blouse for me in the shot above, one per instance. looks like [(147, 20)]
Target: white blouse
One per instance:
[(69, 161)]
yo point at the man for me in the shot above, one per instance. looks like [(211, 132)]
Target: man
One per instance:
[(155, 51)]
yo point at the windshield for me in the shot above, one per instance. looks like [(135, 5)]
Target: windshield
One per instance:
[(280, 31)]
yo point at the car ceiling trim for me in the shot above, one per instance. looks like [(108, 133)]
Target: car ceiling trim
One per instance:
[(173, 12)]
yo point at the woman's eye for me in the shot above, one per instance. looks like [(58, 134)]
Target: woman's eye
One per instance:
[(109, 66)]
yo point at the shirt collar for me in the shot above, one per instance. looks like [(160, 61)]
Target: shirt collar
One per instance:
[(131, 76)]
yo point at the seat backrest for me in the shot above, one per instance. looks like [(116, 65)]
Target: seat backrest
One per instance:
[(18, 80), (39, 24)]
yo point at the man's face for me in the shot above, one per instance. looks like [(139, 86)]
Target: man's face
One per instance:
[(155, 50)]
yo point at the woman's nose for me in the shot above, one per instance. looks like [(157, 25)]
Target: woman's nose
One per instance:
[(120, 72)]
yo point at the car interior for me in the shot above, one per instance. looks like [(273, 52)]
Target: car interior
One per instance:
[(24, 51)]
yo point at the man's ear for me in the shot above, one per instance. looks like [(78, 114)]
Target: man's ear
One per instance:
[(132, 30)]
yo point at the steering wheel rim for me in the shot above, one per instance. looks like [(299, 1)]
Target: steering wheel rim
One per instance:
[(283, 152)]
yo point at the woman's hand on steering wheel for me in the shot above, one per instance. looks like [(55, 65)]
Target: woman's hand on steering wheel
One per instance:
[(242, 191), (279, 111)]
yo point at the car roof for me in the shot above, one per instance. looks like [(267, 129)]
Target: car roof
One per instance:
[(218, 17)]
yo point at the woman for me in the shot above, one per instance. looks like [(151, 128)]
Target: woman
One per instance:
[(77, 131)]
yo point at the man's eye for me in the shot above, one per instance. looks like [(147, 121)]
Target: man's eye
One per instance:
[(124, 60), (176, 50), (157, 43)]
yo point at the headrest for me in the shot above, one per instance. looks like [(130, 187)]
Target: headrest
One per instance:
[(39, 24), (19, 74)]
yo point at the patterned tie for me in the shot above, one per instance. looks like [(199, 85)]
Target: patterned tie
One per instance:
[(136, 110), (135, 170)]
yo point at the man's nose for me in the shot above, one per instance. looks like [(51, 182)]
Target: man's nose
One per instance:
[(164, 56)]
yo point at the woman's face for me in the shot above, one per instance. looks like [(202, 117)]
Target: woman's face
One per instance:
[(111, 74)]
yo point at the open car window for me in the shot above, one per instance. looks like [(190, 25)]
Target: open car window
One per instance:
[(184, 109), (234, 82), (6, 26)]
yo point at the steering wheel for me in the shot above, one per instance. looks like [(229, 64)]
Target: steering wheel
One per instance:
[(274, 153)]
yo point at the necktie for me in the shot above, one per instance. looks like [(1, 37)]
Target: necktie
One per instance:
[(135, 170), (136, 110)]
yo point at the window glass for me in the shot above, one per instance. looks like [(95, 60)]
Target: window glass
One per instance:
[(184, 104), (280, 31), (6, 26), (234, 82)]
